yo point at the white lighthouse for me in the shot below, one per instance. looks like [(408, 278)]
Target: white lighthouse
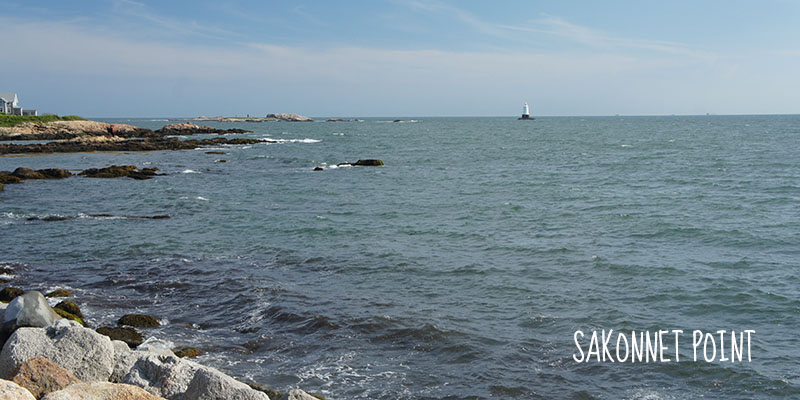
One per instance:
[(526, 112)]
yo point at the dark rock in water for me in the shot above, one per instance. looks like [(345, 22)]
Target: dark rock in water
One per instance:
[(27, 173), (69, 307), (148, 144), (70, 316), (272, 393), (8, 178), (398, 120), (186, 352), (10, 293), (6, 270), (369, 162), (319, 169), (116, 171), (139, 321), (2, 187), (60, 293), (189, 128), (42, 376), (50, 218), (220, 161), (130, 336), (54, 173), (215, 152)]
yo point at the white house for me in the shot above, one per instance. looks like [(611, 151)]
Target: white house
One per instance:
[(9, 104)]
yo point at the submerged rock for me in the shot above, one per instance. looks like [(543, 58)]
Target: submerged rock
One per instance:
[(42, 376), (139, 321), (70, 311), (130, 336), (9, 293), (60, 293), (186, 352)]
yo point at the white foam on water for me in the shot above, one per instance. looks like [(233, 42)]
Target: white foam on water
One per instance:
[(306, 140), (626, 145), (201, 198), (189, 171)]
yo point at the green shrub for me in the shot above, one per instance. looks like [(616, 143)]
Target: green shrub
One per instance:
[(13, 120)]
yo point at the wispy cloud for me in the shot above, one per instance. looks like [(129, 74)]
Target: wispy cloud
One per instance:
[(561, 28), (130, 9)]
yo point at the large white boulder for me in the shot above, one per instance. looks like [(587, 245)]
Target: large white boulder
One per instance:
[(178, 379), (11, 391), (84, 352), (101, 391), (210, 384)]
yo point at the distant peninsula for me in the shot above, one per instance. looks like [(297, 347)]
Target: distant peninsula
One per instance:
[(268, 118)]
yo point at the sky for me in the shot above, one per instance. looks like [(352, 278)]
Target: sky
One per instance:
[(126, 58)]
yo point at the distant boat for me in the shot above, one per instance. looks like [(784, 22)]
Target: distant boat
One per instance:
[(526, 113)]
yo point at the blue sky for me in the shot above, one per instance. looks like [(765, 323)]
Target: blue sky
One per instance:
[(402, 57)]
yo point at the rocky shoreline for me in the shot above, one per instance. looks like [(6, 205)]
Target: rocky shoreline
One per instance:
[(50, 352)]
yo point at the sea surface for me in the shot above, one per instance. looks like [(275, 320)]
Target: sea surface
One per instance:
[(459, 270)]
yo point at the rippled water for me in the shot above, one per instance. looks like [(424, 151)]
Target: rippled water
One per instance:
[(460, 269)]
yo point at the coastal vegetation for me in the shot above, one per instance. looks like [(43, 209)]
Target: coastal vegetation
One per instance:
[(14, 120)]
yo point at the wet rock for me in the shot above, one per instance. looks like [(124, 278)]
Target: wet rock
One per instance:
[(69, 307), (101, 391), (50, 218), (139, 321), (42, 376), (319, 169), (8, 178), (11, 391), (9, 293), (274, 394), (186, 352), (70, 316), (148, 144), (297, 394), (369, 162), (128, 335), (27, 173), (84, 352), (189, 128), (54, 173), (215, 152), (2, 187), (60, 293), (6, 270)]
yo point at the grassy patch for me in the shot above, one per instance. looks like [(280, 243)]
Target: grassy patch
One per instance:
[(13, 120)]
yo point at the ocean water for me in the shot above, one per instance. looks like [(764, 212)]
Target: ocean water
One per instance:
[(459, 270)]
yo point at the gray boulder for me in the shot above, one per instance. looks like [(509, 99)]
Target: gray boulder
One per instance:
[(101, 391), (28, 310), (165, 376), (178, 379), (297, 394), (84, 352), (210, 384)]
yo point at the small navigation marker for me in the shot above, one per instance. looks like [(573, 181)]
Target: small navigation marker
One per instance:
[(526, 113)]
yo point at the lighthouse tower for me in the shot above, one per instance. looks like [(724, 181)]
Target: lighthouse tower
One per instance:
[(526, 112)]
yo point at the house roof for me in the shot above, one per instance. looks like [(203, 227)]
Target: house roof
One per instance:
[(9, 97)]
